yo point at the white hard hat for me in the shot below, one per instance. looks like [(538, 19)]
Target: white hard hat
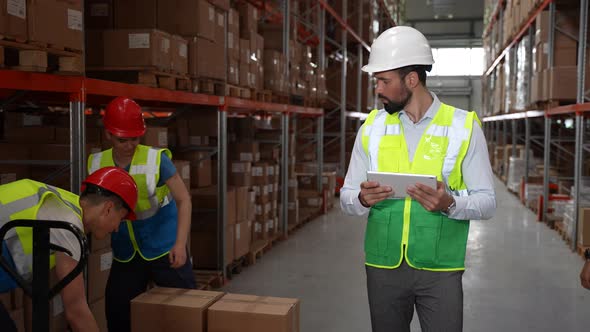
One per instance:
[(398, 47)]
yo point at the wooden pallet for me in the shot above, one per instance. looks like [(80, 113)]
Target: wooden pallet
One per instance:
[(146, 76), (264, 96), (236, 267), (208, 279), (548, 104), (209, 86), (32, 57), (237, 91), (257, 249), (279, 99)]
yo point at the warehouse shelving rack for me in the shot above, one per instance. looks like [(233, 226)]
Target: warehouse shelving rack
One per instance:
[(496, 127), (79, 92)]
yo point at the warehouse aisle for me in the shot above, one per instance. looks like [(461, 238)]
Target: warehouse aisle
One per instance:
[(520, 277)]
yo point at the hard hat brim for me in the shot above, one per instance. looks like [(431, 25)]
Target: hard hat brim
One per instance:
[(126, 133), (374, 68)]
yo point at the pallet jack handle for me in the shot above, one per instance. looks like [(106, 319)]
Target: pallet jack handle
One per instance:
[(38, 289)]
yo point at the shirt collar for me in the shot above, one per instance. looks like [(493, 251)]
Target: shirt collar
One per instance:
[(430, 113)]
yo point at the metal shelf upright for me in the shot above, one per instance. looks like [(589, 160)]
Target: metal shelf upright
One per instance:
[(578, 110)]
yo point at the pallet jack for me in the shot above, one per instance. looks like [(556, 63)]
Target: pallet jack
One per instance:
[(38, 289)]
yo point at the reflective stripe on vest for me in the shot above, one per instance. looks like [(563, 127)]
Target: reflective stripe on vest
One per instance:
[(145, 170), (19, 240), (153, 198), (403, 228)]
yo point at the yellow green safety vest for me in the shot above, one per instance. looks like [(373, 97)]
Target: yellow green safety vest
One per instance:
[(22, 199), (145, 170), (399, 228)]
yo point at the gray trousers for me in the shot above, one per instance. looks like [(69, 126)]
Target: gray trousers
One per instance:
[(438, 297)]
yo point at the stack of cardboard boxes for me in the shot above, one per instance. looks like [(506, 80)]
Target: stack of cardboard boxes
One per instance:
[(251, 62), (183, 310), (45, 138), (557, 82)]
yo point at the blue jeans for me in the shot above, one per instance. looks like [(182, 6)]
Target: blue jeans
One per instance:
[(128, 280)]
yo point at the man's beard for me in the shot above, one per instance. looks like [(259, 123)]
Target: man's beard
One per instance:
[(392, 107)]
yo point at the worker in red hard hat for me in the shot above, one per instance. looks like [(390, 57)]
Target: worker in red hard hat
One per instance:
[(154, 248), (109, 196)]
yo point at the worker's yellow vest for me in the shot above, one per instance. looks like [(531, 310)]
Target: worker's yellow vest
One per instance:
[(22, 200), (431, 240), (145, 170)]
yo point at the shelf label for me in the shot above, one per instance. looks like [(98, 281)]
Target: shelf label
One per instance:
[(139, 40), (165, 45), (74, 19), (17, 8), (183, 51)]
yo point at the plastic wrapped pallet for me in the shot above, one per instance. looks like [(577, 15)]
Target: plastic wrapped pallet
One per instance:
[(523, 65), (516, 170)]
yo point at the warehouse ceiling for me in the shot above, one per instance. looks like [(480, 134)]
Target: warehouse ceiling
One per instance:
[(447, 23)]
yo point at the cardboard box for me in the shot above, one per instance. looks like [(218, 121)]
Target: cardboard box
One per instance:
[(171, 309), (250, 313), (13, 19), (200, 168), (244, 75), (245, 151), (259, 174), (204, 241), (307, 181), (273, 37), (187, 18), (183, 167), (57, 317), (243, 238), (98, 311), (179, 55), (561, 83), (136, 14), (240, 173), (94, 48), (233, 35), (244, 52), (156, 137), (260, 230), (251, 205), (248, 18), (205, 59), (242, 201), (203, 123), (233, 72), (56, 22), (219, 34), (137, 48), (99, 267), (97, 244), (206, 198), (262, 194), (99, 14)]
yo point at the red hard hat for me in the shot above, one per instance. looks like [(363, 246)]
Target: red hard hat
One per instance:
[(117, 181), (123, 118)]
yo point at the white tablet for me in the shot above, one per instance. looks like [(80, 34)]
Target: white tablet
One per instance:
[(399, 182)]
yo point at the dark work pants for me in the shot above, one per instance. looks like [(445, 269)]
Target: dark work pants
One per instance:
[(128, 280), (437, 296), (6, 322)]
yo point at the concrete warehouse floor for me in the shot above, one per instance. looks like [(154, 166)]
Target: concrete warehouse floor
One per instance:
[(521, 276)]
